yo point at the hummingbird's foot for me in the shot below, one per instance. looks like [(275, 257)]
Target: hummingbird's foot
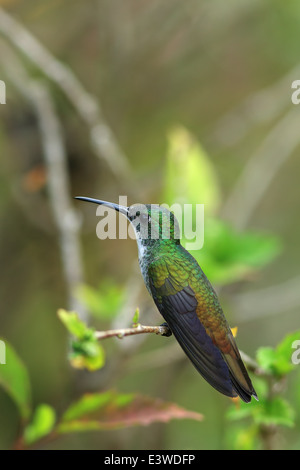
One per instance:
[(168, 331)]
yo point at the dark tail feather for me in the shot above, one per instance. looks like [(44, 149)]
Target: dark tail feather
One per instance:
[(239, 377), (204, 355), (225, 374)]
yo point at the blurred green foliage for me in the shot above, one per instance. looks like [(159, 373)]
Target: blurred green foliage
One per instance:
[(190, 178), (277, 360), (260, 420), (110, 410), (227, 257), (92, 412), (224, 72), (104, 301), (14, 378), (230, 256), (41, 424), (86, 350)]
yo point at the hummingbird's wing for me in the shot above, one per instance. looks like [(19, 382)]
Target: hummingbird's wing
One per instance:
[(173, 288)]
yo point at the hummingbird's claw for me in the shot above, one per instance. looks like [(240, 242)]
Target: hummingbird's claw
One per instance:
[(168, 332)]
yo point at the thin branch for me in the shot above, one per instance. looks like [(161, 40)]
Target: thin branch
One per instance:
[(162, 357), (66, 218), (55, 156), (102, 139), (120, 333)]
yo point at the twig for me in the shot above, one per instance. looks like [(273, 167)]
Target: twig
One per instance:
[(163, 356), (162, 330), (66, 218), (103, 141), (54, 152)]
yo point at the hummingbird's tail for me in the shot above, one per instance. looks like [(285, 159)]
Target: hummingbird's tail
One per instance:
[(239, 376), (226, 373)]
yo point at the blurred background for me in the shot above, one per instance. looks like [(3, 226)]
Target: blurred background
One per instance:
[(161, 101)]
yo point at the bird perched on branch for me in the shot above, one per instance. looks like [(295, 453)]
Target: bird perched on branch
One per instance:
[(186, 299)]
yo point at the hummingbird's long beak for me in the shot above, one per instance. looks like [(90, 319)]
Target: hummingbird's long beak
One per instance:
[(124, 210)]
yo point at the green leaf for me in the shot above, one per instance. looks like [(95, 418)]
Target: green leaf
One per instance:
[(266, 358), (41, 425), (136, 316), (86, 353), (14, 379), (278, 360), (276, 412), (228, 256), (73, 324), (93, 402), (103, 302), (190, 176), (285, 350), (111, 410), (87, 404)]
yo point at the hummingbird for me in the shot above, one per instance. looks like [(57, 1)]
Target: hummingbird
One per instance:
[(185, 298)]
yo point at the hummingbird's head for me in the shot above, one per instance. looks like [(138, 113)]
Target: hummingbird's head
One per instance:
[(153, 222), (150, 222)]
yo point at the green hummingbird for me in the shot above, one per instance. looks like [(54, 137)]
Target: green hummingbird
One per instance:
[(185, 298)]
